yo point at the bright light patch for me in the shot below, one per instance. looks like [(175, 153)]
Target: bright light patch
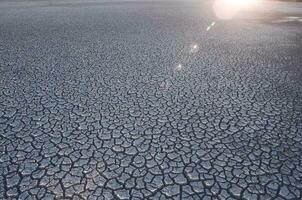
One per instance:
[(194, 48), (210, 26), (227, 9), (178, 67), (288, 19)]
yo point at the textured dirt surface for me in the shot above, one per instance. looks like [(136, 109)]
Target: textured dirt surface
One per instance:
[(148, 100)]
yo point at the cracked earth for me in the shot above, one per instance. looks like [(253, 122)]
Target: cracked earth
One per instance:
[(110, 101)]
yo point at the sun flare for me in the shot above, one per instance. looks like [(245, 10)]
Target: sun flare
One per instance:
[(227, 9)]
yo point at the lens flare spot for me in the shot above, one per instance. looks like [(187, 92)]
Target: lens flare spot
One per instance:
[(179, 67), (211, 25), (227, 9), (194, 48)]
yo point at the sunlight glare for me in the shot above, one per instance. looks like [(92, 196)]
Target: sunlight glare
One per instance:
[(227, 9)]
